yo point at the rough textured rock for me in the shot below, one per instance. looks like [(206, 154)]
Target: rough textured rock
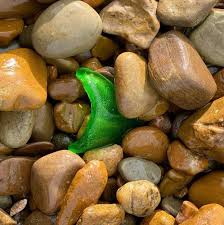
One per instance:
[(37, 218), (134, 20)]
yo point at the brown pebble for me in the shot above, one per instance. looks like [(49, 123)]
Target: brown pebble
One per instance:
[(5, 219), (38, 218), (219, 80), (92, 63), (109, 193), (4, 150), (18, 207), (52, 73)]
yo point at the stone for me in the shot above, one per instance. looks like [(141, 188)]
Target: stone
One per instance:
[(43, 129), (25, 38), (110, 214), (52, 34), (23, 80), (207, 38), (37, 218), (208, 189), (4, 150), (172, 182), (66, 65), (52, 72), (146, 142), (107, 71), (134, 95), (16, 128), (139, 198), (94, 3), (203, 131), (104, 48), (61, 141), (83, 126), (15, 175), (13, 45), (133, 168), (187, 210), (129, 220), (69, 117), (178, 73), (9, 29), (5, 201), (92, 63), (182, 159), (159, 217), (134, 20), (35, 149), (171, 205), (20, 8), (49, 190), (184, 13), (85, 190), (110, 155), (5, 219), (209, 214), (219, 80), (65, 89), (109, 193), (18, 207), (82, 57)]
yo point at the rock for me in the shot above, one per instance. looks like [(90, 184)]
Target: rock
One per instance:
[(52, 36), (110, 155), (182, 193), (18, 207), (5, 202), (209, 214), (85, 189), (133, 168), (129, 220), (82, 57), (20, 8), (16, 128), (109, 193), (146, 142), (139, 198), (20, 217), (83, 127), (134, 20), (4, 150), (69, 117), (46, 1), (178, 73), (104, 48), (47, 189), (182, 159), (35, 148), (110, 214), (134, 95), (92, 63), (107, 71), (187, 211), (200, 193), (52, 72), (94, 3), (66, 65), (23, 80), (171, 205), (159, 217), (15, 175), (219, 80), (37, 218), (203, 131), (25, 38), (172, 182), (184, 13), (9, 29), (5, 219), (43, 129), (61, 141), (207, 38), (14, 45), (65, 89)]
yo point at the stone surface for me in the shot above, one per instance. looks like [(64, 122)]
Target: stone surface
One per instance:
[(94, 3), (139, 198), (219, 80), (9, 29), (92, 63), (182, 159), (65, 89), (109, 193), (178, 73), (110, 155), (25, 38), (43, 129), (5, 219), (100, 214), (133, 168), (184, 13), (53, 34), (208, 189), (146, 142), (61, 141), (129, 220), (85, 189), (4, 150), (134, 95), (18, 207), (212, 214), (16, 128), (23, 80), (207, 38), (203, 130), (5, 202), (171, 205), (69, 117), (15, 175), (134, 20), (37, 218), (159, 217), (51, 176)]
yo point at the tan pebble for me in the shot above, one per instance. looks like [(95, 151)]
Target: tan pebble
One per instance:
[(18, 207), (37, 218), (5, 219), (92, 63)]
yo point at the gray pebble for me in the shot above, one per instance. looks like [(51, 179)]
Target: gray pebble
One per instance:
[(171, 205), (5, 202)]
